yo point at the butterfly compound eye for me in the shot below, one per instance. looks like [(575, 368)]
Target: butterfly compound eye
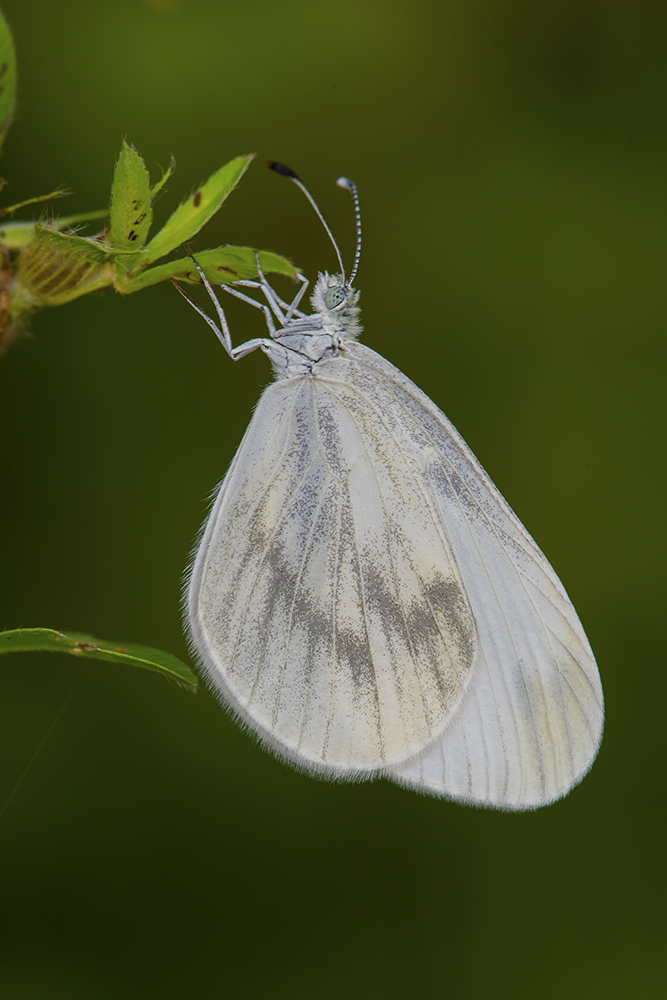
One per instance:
[(334, 297)]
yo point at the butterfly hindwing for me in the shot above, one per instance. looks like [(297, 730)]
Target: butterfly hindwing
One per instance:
[(530, 723)]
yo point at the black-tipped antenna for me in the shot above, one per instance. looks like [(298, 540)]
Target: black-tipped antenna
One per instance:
[(280, 168), (345, 182)]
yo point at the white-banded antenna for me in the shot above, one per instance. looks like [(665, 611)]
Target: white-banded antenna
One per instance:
[(280, 168), (350, 186)]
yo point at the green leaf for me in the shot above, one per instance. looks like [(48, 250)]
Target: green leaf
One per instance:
[(131, 212), (163, 180), (16, 235), (221, 266), (22, 640), (83, 246), (189, 217), (7, 78)]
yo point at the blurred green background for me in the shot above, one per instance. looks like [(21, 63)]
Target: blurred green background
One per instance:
[(511, 164)]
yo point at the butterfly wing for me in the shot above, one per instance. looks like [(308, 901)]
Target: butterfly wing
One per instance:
[(324, 601), (530, 721)]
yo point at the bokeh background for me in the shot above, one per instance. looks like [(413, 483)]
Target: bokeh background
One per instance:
[(511, 163)]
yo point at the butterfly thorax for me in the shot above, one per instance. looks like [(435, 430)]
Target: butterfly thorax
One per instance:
[(304, 342)]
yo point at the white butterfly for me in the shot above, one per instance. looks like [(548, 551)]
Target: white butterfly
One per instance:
[(364, 600)]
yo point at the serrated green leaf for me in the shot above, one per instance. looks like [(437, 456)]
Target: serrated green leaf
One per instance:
[(221, 266), (189, 217), (83, 246), (16, 235), (131, 213), (163, 180), (22, 640), (7, 78)]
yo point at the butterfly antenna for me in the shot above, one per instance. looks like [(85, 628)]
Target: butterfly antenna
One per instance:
[(280, 168), (345, 182)]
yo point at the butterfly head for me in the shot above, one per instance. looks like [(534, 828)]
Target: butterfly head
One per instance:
[(336, 301)]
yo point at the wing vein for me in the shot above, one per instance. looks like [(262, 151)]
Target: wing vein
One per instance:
[(366, 629), (254, 584), (304, 559), (334, 644), (510, 632)]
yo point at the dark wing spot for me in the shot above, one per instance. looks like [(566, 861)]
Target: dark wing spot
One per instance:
[(445, 595)]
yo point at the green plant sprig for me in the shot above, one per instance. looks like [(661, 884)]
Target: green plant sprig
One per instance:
[(49, 263), (55, 264)]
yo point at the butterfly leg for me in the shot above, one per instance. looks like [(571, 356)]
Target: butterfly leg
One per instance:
[(222, 331), (275, 302), (270, 294), (258, 305), (292, 309), (287, 309)]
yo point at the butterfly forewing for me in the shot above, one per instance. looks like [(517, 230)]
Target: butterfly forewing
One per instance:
[(324, 597)]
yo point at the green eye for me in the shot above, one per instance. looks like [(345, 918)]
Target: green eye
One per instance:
[(334, 296)]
